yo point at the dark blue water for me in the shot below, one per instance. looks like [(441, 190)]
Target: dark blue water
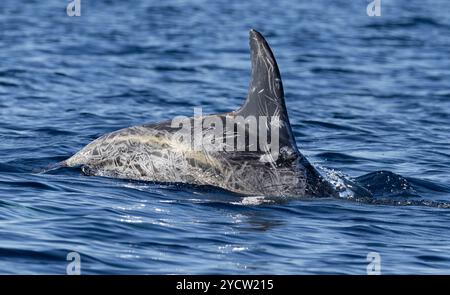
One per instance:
[(364, 94)]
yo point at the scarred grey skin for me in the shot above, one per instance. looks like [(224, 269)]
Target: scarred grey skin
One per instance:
[(152, 152)]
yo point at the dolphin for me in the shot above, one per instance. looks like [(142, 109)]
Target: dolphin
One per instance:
[(156, 152)]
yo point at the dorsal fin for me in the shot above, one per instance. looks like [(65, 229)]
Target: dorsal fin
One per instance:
[(265, 94)]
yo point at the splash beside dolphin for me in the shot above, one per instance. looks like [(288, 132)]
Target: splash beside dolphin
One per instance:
[(152, 152)]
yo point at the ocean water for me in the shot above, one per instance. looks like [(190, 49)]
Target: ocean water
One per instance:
[(364, 94)]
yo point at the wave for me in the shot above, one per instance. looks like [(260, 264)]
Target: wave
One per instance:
[(407, 23), (387, 188)]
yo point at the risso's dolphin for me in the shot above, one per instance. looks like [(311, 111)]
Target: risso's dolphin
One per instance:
[(250, 151)]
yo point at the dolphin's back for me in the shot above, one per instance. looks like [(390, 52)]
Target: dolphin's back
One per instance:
[(152, 153)]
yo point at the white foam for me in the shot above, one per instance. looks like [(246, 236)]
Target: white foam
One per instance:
[(337, 179), (257, 200)]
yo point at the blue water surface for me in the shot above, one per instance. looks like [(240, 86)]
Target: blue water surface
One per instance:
[(364, 94)]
